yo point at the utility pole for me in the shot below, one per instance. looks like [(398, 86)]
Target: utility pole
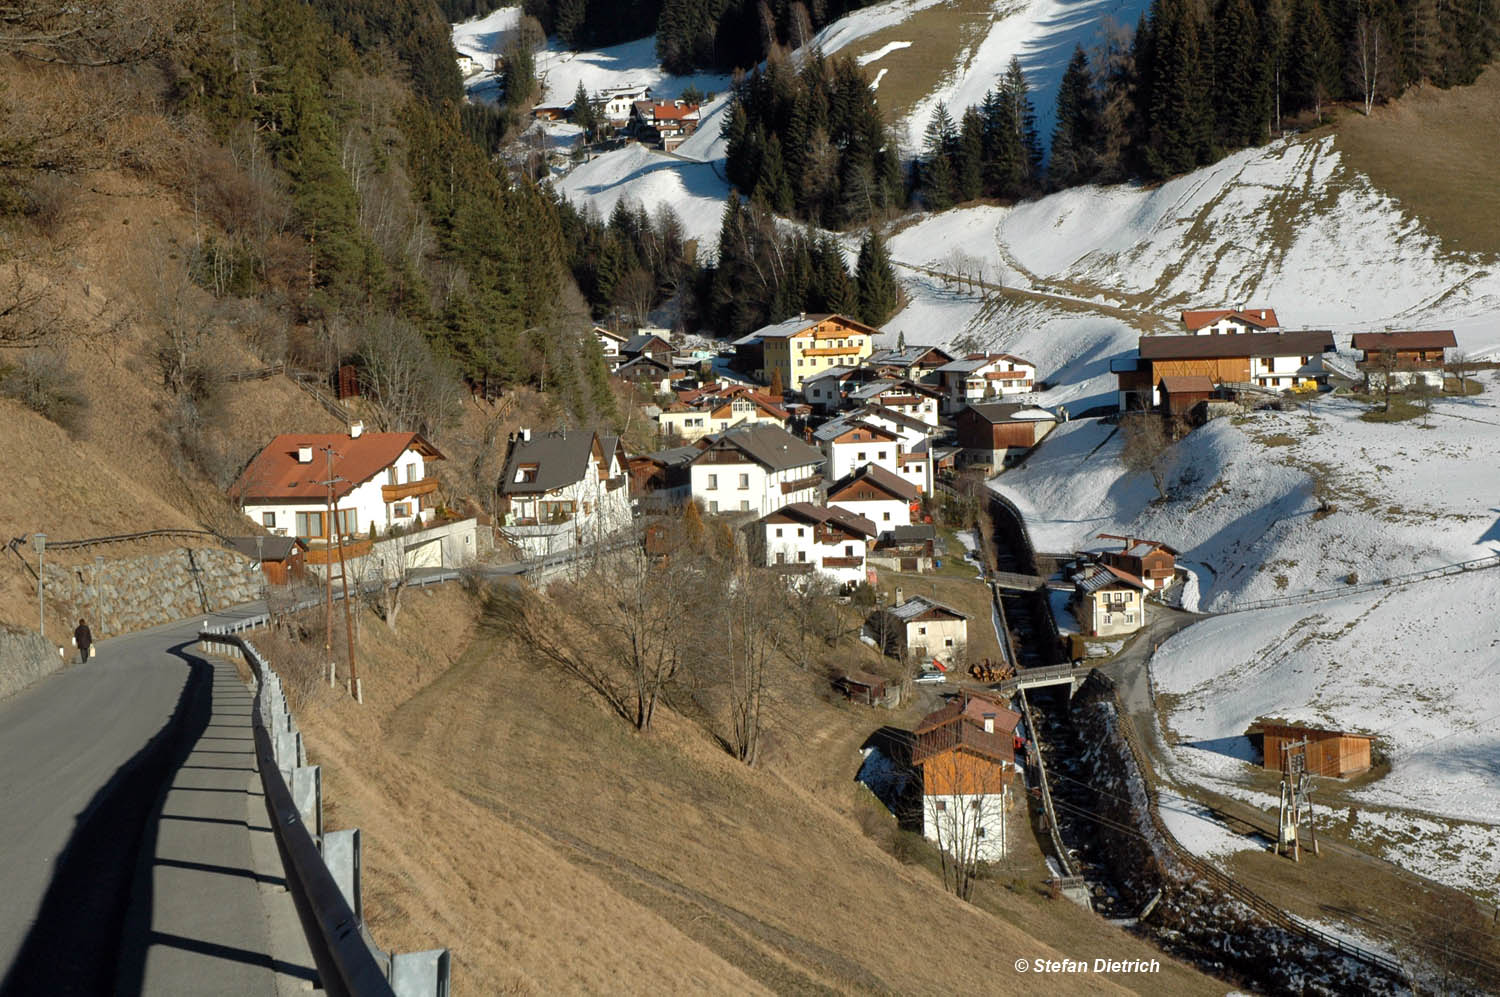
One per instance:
[(39, 540), (1295, 803), (336, 535)]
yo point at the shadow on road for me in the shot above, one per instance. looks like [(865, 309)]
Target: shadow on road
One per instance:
[(77, 943)]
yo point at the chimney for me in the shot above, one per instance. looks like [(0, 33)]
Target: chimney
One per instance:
[(526, 435), (304, 455), (356, 429), (899, 600), (989, 723)]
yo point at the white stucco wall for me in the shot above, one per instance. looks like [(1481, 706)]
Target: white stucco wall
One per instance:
[(884, 513), (366, 500), (942, 826)]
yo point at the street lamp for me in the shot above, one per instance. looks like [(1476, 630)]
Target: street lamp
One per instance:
[(39, 541)]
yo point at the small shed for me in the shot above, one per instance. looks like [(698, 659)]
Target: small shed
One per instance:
[(862, 687), (281, 558), (1180, 392), (1328, 752)]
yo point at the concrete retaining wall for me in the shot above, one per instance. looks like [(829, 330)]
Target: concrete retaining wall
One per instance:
[(25, 656), (132, 594)]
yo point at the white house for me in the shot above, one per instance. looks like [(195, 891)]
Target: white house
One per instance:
[(755, 468), (1229, 321), (920, 629), (825, 390), (467, 66), (693, 422), (984, 376), (915, 401), (380, 481), (563, 489), (914, 460), (619, 101), (851, 443), (878, 495), (610, 343), (1107, 601), (831, 541)]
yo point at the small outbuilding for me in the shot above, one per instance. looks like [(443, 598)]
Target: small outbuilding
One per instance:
[(862, 687), (280, 557), (1325, 752), (1180, 392)]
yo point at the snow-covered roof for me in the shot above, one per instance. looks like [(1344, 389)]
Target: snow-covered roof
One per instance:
[(919, 604)]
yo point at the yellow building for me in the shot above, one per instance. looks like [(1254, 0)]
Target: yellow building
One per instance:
[(807, 345)]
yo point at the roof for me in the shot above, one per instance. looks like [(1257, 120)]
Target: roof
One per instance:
[(271, 548), (790, 327), (915, 533), (1261, 723), (974, 361), (904, 358), (1100, 575), (820, 515), (640, 363), (1434, 339), (880, 478), (770, 446), (561, 458), (1174, 384), (641, 340), (875, 410), (599, 330), (863, 678), (995, 412), (1261, 318), (917, 605), (1136, 547), (673, 112), (276, 474), (1245, 344), (840, 372), (673, 456), (834, 428)]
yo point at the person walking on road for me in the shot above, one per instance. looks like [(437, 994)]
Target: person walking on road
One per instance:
[(83, 637)]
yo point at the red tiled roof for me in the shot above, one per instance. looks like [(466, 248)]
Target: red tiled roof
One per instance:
[(1261, 318), (673, 112), (276, 474)]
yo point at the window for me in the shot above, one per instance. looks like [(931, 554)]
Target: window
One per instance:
[(268, 519), (799, 531), (922, 630), (401, 510), (942, 806), (713, 507), (886, 516), (744, 505), (778, 532), (744, 481), (948, 642), (524, 473), (880, 455), (713, 481), (310, 524), (390, 476), (347, 520), (974, 805), (801, 555), (413, 472), (978, 831), (861, 455), (781, 557)]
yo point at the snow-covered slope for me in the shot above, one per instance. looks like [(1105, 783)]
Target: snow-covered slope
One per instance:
[(1418, 667), (639, 175)]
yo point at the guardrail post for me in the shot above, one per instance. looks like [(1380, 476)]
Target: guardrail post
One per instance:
[(307, 794), (341, 855), (421, 974)]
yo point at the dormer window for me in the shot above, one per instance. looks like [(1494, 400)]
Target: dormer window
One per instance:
[(526, 473)]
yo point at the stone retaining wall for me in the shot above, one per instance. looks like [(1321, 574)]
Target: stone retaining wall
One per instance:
[(25, 656), (136, 593)]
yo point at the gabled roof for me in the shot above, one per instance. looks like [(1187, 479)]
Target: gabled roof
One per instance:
[(915, 533), (792, 326), (640, 363), (561, 459), (1137, 547), (1245, 344), (1174, 384), (1434, 339), (998, 412), (1261, 318), (920, 605), (879, 477), (599, 330), (974, 361), (673, 456), (270, 548), (834, 428), (841, 372), (641, 340), (1259, 725), (908, 357), (821, 515), (276, 474), (1100, 575), (769, 446)]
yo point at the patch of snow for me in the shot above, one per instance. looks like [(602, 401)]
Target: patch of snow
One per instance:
[(484, 38), (1197, 830), (626, 64), (882, 52), (860, 24), (639, 175)]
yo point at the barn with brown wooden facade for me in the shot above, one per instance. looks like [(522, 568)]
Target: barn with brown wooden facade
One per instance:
[(1326, 752)]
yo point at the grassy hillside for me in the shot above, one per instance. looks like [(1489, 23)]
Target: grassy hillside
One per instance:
[(1434, 151), (508, 815)]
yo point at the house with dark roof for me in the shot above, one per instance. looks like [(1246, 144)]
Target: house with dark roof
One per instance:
[(980, 377), (916, 363), (879, 495), (562, 489), (1107, 600), (905, 548), (966, 752), (1152, 561), (1274, 360), (1406, 356), (920, 629), (380, 481), (808, 537), (280, 558), (755, 468), (993, 434)]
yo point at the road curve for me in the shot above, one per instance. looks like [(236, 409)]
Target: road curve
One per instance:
[(135, 852)]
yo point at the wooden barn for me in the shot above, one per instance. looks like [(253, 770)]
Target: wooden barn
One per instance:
[(281, 558), (1332, 753), (1180, 392), (1152, 561), (862, 687)]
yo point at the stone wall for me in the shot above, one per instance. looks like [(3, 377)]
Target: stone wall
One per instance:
[(25, 656), (136, 593)]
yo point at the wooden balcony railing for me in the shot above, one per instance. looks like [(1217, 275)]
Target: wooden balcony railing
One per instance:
[(843, 562), (395, 493), (330, 554)]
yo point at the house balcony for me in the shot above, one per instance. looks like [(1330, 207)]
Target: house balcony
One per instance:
[(547, 520), (329, 554), (843, 562), (811, 481), (832, 351), (395, 493)]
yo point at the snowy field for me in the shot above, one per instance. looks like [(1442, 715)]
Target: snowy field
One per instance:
[(640, 175), (1244, 496), (1416, 666)]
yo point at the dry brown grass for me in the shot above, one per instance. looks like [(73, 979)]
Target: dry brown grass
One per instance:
[(1434, 151), (938, 36), (508, 815)]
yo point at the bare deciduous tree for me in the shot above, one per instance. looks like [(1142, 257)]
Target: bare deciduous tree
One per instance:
[(409, 387), (963, 803), (1370, 66), (1146, 448), (103, 34)]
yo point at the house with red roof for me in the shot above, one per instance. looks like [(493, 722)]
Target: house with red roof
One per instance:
[(1221, 321), (966, 752), (380, 481)]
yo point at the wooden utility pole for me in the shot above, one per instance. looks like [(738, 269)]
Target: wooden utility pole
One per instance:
[(336, 535)]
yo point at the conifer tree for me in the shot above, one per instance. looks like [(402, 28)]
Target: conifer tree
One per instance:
[(937, 165), (968, 157), (583, 112), (875, 281), (1075, 136), (1023, 116), (773, 184), (1311, 58)]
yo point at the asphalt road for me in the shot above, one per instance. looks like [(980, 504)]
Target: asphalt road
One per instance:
[(135, 851)]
